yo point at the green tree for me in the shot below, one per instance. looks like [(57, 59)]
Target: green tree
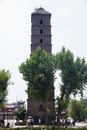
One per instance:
[(85, 111), (77, 110), (20, 113), (38, 71), (73, 75), (4, 82)]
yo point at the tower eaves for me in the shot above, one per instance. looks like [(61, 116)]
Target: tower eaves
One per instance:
[(40, 11)]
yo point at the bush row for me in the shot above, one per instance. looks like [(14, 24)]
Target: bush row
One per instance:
[(45, 128)]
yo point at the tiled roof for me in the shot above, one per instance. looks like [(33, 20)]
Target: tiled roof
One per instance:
[(9, 106), (40, 11)]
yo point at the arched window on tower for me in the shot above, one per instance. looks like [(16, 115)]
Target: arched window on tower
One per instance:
[(41, 40), (41, 108), (41, 21), (41, 31)]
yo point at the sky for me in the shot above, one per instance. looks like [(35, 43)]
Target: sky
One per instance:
[(69, 29)]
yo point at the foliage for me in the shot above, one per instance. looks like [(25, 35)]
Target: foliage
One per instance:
[(47, 128), (20, 113), (73, 75), (48, 111), (4, 82), (77, 110), (38, 71), (85, 112)]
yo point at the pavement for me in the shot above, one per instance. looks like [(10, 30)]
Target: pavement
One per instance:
[(77, 125), (12, 124), (81, 124)]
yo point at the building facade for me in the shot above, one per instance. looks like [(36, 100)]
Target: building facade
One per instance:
[(41, 30), (7, 111), (41, 36)]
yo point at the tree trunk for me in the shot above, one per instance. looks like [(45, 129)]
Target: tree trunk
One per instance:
[(59, 114), (45, 113)]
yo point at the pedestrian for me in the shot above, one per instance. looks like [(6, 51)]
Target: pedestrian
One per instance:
[(8, 125), (39, 121), (29, 121)]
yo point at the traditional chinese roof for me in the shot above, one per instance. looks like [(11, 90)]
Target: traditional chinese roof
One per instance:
[(10, 106), (40, 11)]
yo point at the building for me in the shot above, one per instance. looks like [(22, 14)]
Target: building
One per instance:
[(41, 36), (7, 111), (41, 30)]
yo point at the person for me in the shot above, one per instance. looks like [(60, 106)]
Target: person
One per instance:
[(8, 125), (1, 123), (29, 121), (39, 121), (73, 123), (32, 121)]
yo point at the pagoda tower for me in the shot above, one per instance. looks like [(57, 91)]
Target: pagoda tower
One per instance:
[(41, 36), (41, 30)]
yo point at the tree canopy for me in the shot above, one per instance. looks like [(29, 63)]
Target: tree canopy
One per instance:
[(20, 113), (77, 110), (38, 71), (4, 82), (73, 73)]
